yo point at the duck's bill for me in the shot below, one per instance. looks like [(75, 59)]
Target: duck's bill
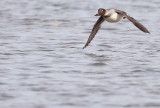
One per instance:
[(96, 15)]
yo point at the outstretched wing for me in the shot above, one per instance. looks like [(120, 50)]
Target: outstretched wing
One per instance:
[(94, 30), (135, 22)]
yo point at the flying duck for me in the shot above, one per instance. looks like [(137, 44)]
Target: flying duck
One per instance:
[(112, 16)]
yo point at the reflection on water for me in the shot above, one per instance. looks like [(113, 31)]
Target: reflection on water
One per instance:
[(43, 64)]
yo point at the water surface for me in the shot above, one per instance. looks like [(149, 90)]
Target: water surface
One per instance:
[(43, 65)]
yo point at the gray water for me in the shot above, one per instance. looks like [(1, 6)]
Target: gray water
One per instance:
[(43, 65)]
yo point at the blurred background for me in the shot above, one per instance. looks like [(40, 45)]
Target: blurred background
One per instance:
[(43, 65)]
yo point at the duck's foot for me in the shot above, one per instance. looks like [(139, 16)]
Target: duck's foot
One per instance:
[(124, 17)]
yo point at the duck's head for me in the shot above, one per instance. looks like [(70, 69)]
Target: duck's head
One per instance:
[(101, 11)]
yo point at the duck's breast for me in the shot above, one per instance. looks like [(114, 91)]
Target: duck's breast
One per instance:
[(114, 18)]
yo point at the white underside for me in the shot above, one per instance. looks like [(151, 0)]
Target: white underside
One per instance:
[(114, 18)]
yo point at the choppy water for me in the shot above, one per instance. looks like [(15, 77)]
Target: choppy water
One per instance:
[(43, 65)]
